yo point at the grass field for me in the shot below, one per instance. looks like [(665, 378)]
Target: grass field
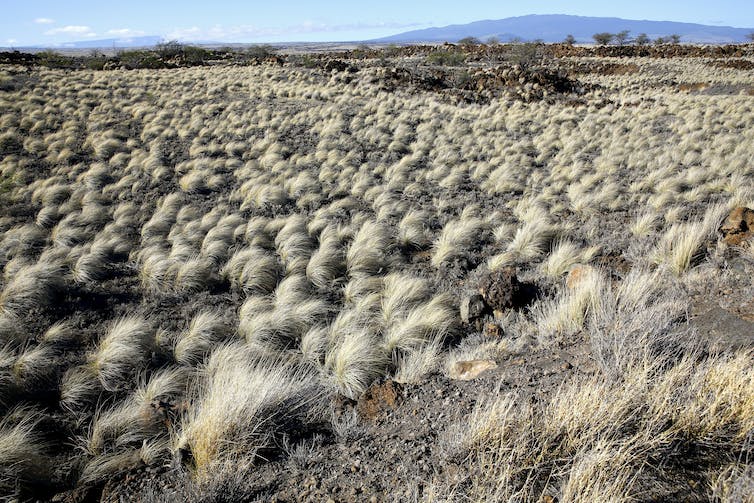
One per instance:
[(200, 263)]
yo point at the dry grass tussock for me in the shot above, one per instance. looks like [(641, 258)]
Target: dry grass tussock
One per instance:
[(122, 351), (23, 451), (608, 440), (242, 403)]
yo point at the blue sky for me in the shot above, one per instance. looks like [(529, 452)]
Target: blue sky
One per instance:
[(51, 22)]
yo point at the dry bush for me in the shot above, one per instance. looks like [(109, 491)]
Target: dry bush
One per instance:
[(253, 270), (327, 265), (682, 245), (36, 367), (134, 430), (636, 322), (567, 312), (355, 358), (413, 230), (562, 257)]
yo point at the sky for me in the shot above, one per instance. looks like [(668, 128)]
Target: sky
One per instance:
[(55, 22)]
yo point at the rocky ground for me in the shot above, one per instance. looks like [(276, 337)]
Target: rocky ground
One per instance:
[(403, 441)]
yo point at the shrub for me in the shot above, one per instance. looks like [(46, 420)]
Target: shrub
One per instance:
[(206, 330), (446, 58), (641, 39), (603, 38), (605, 440), (621, 37), (32, 286), (23, 457), (140, 59), (260, 51), (169, 49), (468, 41), (525, 55)]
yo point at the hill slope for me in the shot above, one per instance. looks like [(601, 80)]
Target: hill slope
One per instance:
[(555, 27)]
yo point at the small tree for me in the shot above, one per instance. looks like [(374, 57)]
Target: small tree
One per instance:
[(750, 36), (621, 37), (492, 41), (169, 49), (660, 41), (603, 38), (260, 51), (469, 41), (569, 40), (675, 38), (641, 39), (525, 55)]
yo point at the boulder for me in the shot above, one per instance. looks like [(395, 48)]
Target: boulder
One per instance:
[(470, 369), (502, 291), (738, 226), (472, 306)]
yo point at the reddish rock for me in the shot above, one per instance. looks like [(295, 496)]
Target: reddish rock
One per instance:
[(738, 226), (379, 398), (493, 330), (577, 274)]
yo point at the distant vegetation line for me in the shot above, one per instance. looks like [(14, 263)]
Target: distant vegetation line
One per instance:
[(173, 54)]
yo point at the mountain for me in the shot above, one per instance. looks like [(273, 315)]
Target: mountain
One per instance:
[(107, 43), (555, 27)]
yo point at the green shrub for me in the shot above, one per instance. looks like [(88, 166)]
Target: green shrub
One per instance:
[(525, 55), (140, 59), (446, 58), (52, 59), (195, 55), (260, 51), (469, 41), (641, 39), (95, 63)]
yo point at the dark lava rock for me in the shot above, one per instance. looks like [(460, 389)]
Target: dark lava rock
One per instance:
[(502, 290), (339, 66)]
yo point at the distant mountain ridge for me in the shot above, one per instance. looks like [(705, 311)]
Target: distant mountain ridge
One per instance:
[(555, 27), (123, 42)]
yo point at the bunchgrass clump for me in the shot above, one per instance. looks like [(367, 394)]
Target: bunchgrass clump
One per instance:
[(240, 401)]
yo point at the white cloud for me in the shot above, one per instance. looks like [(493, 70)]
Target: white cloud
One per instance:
[(125, 32), (71, 30), (245, 32), (11, 41), (44, 20)]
